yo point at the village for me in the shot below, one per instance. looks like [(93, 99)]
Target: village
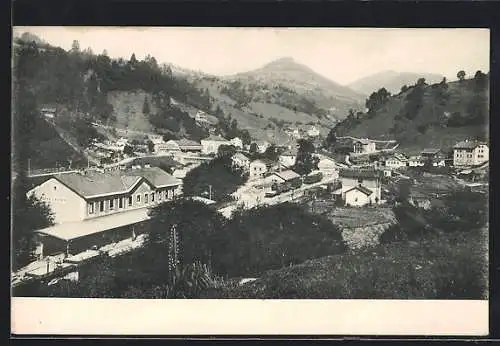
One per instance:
[(100, 210)]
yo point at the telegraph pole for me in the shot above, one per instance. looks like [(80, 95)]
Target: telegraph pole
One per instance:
[(210, 192), (29, 167)]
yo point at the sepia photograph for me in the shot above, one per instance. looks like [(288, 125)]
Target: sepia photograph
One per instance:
[(190, 163)]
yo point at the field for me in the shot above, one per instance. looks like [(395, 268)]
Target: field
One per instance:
[(450, 266), (354, 217)]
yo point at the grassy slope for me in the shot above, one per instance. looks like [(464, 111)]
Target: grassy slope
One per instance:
[(378, 126), (446, 267), (47, 149), (127, 108)]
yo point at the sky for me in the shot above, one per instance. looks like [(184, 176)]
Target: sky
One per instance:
[(340, 54)]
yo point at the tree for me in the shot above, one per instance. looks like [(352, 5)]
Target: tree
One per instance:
[(226, 150), (254, 149), (377, 100), (461, 75), (28, 214), (331, 139), (404, 88), (145, 106), (128, 150), (151, 146), (305, 162), (271, 153), (421, 82)]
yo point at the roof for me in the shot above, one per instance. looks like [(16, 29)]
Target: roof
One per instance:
[(94, 183), (416, 158), (287, 175), (289, 152), (467, 144), (240, 156), (267, 162), (362, 140), (203, 200), (362, 189), (215, 139), (73, 230), (398, 156), (155, 175), (431, 151), (360, 173), (187, 143)]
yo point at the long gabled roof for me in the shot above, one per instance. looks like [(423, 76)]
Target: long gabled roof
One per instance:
[(215, 139), (187, 143), (467, 145), (287, 175), (360, 173), (94, 184)]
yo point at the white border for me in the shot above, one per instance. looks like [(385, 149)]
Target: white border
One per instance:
[(121, 317)]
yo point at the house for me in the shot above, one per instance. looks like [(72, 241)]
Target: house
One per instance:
[(187, 145), (240, 160), (363, 146), (360, 186), (86, 195), (313, 132), (416, 161), (162, 147), (211, 144), (237, 142), (258, 168), (49, 112), (430, 153), (396, 161), (328, 166), (470, 153), (288, 157), (284, 176), (262, 146)]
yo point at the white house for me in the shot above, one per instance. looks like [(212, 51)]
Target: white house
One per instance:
[(313, 132), (240, 160), (211, 144), (328, 166), (470, 153), (85, 195), (237, 142), (416, 161), (258, 168), (363, 146), (49, 112), (356, 184), (288, 157), (262, 146), (396, 161), (162, 147)]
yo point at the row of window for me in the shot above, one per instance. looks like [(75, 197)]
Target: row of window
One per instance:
[(120, 203)]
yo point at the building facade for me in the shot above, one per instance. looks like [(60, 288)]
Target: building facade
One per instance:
[(81, 196), (363, 146), (364, 180), (258, 168), (211, 144), (470, 153)]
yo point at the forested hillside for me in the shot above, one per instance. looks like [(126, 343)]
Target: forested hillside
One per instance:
[(85, 87), (425, 115)]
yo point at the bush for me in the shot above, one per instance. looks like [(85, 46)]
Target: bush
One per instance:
[(314, 178)]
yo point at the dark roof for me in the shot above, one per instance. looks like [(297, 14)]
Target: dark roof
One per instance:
[(360, 173), (156, 176), (467, 144), (362, 189), (187, 143), (431, 151)]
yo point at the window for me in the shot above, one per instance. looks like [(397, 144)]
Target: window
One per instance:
[(130, 200), (111, 204), (91, 208), (120, 203), (360, 180), (152, 197), (101, 206), (146, 198), (159, 195), (166, 194), (138, 198)]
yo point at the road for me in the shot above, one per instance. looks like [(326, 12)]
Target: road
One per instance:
[(250, 198)]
